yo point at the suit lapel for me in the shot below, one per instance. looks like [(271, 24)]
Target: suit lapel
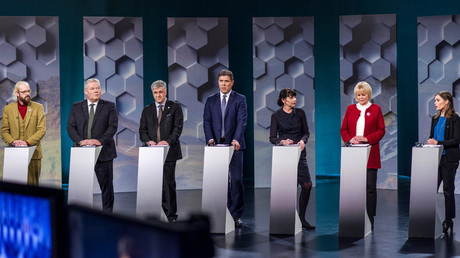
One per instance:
[(28, 115), (219, 105), (166, 110), (98, 110), (230, 102), (84, 109)]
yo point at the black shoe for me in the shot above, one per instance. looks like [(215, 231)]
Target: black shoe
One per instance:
[(448, 223), (307, 225), (238, 223)]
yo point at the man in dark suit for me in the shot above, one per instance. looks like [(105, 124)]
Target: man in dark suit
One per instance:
[(224, 121), (161, 124), (94, 122)]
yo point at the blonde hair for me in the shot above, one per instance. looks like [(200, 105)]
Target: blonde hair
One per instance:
[(363, 86), (16, 87)]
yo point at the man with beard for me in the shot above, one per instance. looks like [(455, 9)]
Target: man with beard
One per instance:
[(24, 124)]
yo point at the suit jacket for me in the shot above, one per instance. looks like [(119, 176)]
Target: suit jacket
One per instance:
[(374, 130), (235, 118), (104, 127), (171, 124), (451, 137), (34, 125)]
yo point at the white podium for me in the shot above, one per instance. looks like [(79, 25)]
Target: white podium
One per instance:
[(150, 181), (284, 218), (215, 188), (353, 219), (81, 174), (16, 164), (424, 221)]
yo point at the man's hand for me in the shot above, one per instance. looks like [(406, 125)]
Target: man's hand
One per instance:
[(163, 143), (151, 143), (211, 142), (236, 144), (90, 142), (19, 143)]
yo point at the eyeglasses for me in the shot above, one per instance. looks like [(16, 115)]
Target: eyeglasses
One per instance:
[(24, 91)]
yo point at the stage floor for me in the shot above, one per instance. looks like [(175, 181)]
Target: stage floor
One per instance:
[(389, 238)]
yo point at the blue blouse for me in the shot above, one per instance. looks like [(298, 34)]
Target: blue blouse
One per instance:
[(439, 131)]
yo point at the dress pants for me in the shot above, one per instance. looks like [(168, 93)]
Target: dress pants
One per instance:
[(371, 192), (169, 201), (104, 174), (33, 176), (236, 190), (446, 174)]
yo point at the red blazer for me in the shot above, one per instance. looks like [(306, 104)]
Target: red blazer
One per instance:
[(374, 130)]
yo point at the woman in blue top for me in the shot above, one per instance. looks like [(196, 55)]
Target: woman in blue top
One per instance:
[(445, 131)]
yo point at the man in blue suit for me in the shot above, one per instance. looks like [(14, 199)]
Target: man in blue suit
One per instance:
[(224, 120)]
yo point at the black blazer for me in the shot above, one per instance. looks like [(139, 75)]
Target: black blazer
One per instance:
[(171, 125), (105, 125), (451, 137)]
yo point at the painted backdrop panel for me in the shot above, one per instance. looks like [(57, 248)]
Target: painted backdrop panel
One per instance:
[(113, 53), (29, 51), (197, 52), (368, 53), (438, 68), (283, 57)]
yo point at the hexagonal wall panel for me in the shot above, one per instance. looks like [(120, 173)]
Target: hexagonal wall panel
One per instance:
[(367, 53), (197, 51), (438, 67), (29, 51), (113, 45), (283, 55)]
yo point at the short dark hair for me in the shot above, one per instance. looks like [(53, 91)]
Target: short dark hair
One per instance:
[(284, 93), (226, 72)]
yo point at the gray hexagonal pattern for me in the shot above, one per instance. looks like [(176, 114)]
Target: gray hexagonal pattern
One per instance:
[(197, 51), (283, 58), (368, 53), (438, 68), (113, 51), (29, 50)]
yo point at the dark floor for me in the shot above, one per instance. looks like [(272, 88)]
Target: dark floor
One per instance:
[(389, 238)]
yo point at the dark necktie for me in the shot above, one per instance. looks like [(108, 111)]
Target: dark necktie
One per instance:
[(222, 107), (160, 113), (90, 120)]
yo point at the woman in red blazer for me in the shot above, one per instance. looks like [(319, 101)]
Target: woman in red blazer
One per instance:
[(363, 123)]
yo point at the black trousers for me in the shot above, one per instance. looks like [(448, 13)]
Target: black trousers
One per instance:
[(371, 192), (235, 201), (104, 174), (169, 200), (446, 174)]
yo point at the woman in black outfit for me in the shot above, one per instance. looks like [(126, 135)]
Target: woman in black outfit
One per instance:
[(289, 126), (445, 131)]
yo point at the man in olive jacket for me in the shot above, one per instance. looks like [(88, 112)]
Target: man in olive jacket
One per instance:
[(24, 124)]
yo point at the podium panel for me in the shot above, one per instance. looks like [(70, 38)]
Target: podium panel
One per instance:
[(16, 164), (424, 221), (284, 218), (353, 219), (81, 174), (150, 181), (215, 187)]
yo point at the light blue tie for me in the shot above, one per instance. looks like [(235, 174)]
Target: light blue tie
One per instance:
[(222, 108)]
